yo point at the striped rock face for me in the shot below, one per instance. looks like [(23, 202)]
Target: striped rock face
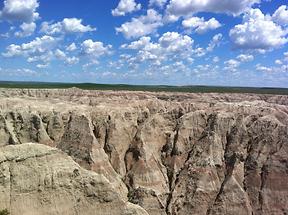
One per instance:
[(38, 179), (168, 153)]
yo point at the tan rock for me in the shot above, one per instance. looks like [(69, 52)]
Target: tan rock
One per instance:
[(37, 179), (177, 153)]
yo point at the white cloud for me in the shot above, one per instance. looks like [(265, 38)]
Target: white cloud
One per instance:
[(174, 42), (216, 59), (5, 35), (199, 25), (38, 50), (200, 52), (39, 45), (50, 29), (60, 54), (67, 60), (215, 42), (258, 32), (23, 72), (263, 68), (43, 50), (44, 58), (72, 47), (159, 3), (42, 66), (92, 62), (231, 65), (266, 69), (27, 30), (95, 49), (68, 25), (170, 47), (71, 60), (279, 62), (138, 44), (12, 51), (126, 6), (73, 25), (142, 25), (245, 57), (20, 10), (179, 8), (281, 15), (286, 56)]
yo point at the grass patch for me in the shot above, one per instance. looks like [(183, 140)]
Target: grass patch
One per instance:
[(151, 88)]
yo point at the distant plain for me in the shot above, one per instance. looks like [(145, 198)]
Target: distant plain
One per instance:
[(150, 88)]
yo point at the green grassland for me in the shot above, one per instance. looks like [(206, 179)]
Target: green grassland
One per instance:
[(151, 88)]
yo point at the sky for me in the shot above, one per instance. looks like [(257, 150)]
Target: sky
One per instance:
[(171, 42)]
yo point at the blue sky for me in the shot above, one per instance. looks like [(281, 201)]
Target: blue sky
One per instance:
[(174, 42)]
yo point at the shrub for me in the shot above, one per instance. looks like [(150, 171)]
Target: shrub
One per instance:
[(4, 212)]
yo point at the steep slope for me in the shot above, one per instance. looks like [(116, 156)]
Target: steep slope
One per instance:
[(170, 153), (37, 179)]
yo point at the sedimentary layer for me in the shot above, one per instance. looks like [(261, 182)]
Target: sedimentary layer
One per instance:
[(169, 153)]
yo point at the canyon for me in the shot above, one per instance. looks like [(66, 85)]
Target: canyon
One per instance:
[(72, 151)]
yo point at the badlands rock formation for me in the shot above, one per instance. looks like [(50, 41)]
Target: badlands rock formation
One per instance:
[(37, 179), (169, 153)]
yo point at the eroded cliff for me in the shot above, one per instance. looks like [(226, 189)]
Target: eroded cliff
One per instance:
[(170, 153)]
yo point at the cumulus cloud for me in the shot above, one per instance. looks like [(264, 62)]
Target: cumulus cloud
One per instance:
[(170, 46), (49, 28), (286, 56), (284, 60), (39, 50), (68, 60), (258, 31), (71, 60), (231, 65), (72, 47), (273, 69), (42, 66), (138, 44), (281, 15), (279, 62), (174, 42), (245, 57), (158, 3), (126, 6), (60, 54), (265, 69), (68, 25), (73, 25), (92, 62), (95, 49), (215, 42), (27, 29), (20, 10), (36, 47), (177, 8), (142, 25), (199, 25), (216, 59), (23, 72), (12, 51)]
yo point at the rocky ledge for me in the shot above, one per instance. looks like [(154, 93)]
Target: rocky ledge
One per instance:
[(38, 179)]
